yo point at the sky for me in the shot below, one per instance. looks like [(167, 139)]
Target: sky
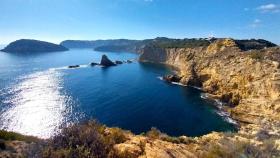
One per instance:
[(58, 20)]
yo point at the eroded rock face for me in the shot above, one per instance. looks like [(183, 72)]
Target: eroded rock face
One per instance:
[(247, 81), (223, 70), (105, 61)]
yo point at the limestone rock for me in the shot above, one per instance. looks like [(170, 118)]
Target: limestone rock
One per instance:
[(249, 85)]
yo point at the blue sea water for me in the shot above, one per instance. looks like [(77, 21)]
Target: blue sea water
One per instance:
[(39, 94)]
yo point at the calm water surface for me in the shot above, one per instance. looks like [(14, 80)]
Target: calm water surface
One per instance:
[(39, 94)]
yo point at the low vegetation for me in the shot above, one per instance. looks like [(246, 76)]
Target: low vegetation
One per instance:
[(93, 140), (180, 43), (87, 140), (257, 55), (10, 136), (242, 149)]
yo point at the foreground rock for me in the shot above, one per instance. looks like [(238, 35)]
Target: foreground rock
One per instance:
[(105, 61), (32, 46)]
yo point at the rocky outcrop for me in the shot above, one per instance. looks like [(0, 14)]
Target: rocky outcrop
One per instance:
[(172, 78), (32, 46), (248, 82), (105, 61), (73, 66), (93, 64), (118, 62)]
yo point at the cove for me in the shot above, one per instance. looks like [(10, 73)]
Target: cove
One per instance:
[(39, 94)]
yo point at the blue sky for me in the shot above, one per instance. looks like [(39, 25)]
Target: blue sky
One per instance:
[(57, 20)]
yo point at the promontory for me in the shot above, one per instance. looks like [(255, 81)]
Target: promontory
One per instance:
[(32, 46)]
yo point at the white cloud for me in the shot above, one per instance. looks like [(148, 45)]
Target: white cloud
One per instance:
[(256, 23), (269, 8)]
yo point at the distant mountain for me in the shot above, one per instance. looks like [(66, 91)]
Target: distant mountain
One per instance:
[(125, 45), (32, 46), (97, 43), (116, 48)]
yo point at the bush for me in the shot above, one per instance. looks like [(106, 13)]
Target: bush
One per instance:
[(154, 133), (84, 141), (235, 149), (5, 135), (257, 56)]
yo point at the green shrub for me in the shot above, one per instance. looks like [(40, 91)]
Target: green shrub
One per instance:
[(257, 55), (5, 135), (84, 141)]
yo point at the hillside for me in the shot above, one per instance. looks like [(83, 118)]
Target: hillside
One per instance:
[(96, 43), (32, 46), (125, 45)]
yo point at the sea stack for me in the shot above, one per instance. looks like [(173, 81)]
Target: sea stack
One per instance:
[(105, 61)]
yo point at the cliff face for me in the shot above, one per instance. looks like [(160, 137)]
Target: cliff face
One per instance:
[(227, 73), (248, 82)]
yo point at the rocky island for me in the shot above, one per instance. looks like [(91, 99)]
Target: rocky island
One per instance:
[(32, 46), (243, 74)]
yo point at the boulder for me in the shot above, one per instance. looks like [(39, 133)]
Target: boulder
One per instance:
[(118, 62), (73, 66), (93, 64), (106, 62), (172, 78), (129, 61)]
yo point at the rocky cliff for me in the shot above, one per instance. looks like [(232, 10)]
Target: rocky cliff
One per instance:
[(247, 81)]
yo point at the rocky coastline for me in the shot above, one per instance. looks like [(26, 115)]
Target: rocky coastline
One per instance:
[(247, 81)]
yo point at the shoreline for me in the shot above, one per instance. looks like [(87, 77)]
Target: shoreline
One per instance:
[(219, 105)]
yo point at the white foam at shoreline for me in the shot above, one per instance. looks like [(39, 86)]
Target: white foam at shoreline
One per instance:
[(178, 83), (225, 115), (175, 83)]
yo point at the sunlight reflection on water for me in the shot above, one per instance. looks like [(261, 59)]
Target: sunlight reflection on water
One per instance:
[(37, 105)]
